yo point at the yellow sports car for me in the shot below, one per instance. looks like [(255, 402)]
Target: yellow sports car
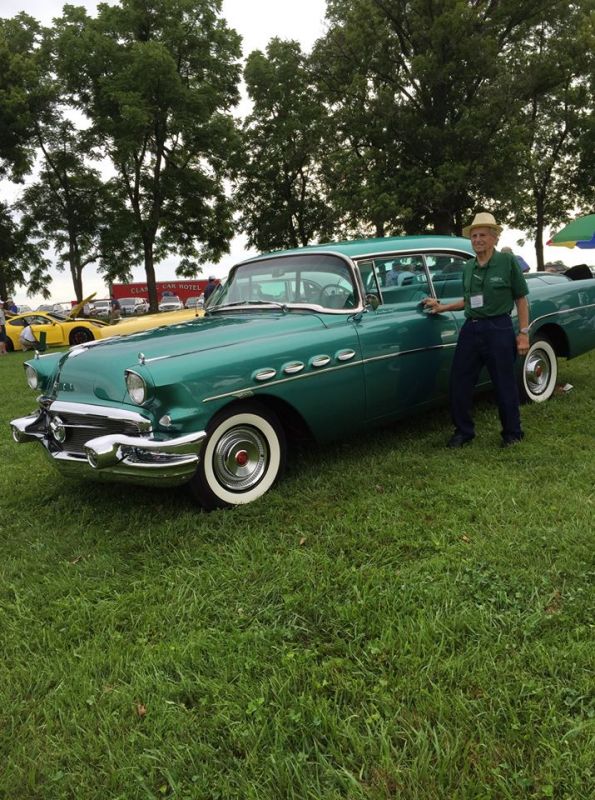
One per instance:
[(72, 330), (145, 321), (58, 330)]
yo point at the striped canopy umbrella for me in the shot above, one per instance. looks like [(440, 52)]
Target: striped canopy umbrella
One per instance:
[(578, 233)]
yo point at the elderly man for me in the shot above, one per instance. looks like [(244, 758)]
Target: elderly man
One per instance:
[(492, 284)]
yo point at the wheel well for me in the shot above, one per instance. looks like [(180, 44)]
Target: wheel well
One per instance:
[(555, 336), (294, 425), (78, 329)]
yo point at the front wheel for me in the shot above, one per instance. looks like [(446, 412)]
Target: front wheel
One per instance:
[(539, 372), (243, 456), (80, 336)]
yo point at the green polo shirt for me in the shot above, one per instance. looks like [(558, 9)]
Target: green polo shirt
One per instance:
[(500, 281)]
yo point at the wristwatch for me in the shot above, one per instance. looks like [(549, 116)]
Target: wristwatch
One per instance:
[(524, 330)]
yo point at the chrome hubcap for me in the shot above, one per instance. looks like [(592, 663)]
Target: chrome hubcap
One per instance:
[(537, 372), (240, 458)]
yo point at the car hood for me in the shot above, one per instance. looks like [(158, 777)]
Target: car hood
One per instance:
[(97, 368)]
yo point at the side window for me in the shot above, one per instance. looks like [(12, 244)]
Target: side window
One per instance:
[(447, 274), (403, 280)]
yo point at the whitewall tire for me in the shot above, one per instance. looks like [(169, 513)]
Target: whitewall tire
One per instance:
[(243, 456), (539, 372)]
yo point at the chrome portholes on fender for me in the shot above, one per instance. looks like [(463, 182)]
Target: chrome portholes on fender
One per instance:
[(539, 372), (293, 367), (265, 374), (345, 355), (320, 361), (244, 455)]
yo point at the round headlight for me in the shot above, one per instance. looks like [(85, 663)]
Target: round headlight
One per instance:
[(137, 388), (32, 377)]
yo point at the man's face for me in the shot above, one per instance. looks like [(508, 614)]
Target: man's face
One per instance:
[(483, 241)]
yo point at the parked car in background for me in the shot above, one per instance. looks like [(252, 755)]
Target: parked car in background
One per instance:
[(133, 305), (194, 302), (170, 303), (310, 342), (101, 308)]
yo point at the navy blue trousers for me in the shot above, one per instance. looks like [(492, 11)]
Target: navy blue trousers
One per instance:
[(491, 343)]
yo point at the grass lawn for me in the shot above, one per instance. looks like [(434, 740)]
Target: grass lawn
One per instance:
[(394, 620)]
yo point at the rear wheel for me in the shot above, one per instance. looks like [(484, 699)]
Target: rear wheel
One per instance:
[(539, 372), (80, 336), (243, 456)]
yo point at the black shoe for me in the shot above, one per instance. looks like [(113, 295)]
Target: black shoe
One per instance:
[(508, 441), (458, 440)]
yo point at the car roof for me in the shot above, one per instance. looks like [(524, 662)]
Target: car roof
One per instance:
[(356, 248)]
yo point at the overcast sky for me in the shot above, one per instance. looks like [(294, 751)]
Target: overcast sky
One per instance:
[(257, 21)]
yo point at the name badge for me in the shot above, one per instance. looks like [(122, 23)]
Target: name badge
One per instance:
[(476, 300)]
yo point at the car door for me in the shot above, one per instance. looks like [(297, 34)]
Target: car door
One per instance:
[(53, 330), (407, 352)]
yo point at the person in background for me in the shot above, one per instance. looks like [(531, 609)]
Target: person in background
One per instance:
[(210, 287), (10, 305), (493, 285), (2, 329), (116, 310), (28, 340), (522, 263), (401, 272)]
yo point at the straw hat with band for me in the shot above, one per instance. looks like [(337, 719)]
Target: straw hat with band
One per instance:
[(482, 220)]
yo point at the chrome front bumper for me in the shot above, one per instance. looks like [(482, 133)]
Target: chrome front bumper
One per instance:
[(141, 459)]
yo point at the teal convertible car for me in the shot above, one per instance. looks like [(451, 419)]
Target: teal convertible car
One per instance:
[(322, 340)]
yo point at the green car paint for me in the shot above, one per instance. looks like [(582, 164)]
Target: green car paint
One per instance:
[(321, 341)]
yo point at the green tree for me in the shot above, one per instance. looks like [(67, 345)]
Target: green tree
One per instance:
[(68, 205), (554, 122), (22, 260), (23, 95), (424, 92), (279, 193), (155, 78)]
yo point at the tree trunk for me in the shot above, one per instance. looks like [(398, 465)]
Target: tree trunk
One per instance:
[(539, 224), (442, 222), (74, 263), (150, 273)]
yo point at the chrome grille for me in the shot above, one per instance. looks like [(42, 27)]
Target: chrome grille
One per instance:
[(80, 428)]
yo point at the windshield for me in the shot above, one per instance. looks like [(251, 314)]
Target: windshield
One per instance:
[(323, 281)]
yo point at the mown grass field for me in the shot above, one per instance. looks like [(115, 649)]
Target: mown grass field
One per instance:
[(394, 620)]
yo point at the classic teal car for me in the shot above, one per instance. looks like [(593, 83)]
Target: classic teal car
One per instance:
[(322, 340)]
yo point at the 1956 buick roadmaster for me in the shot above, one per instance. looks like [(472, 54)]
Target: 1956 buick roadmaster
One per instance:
[(322, 340)]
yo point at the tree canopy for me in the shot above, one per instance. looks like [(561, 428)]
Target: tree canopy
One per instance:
[(407, 116)]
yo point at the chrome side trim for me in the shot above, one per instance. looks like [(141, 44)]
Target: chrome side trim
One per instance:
[(246, 392), (409, 352), (560, 311)]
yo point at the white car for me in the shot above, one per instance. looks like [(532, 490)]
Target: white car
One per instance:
[(194, 302), (133, 305), (170, 303), (101, 308)]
